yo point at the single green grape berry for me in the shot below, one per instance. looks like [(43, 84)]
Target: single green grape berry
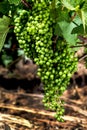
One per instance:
[(45, 77), (37, 38), (47, 73), (69, 74), (39, 73), (56, 80), (48, 63), (41, 31), (62, 89), (52, 76), (41, 62)]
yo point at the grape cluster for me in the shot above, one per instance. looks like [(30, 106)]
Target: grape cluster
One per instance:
[(34, 32), (63, 66), (22, 35)]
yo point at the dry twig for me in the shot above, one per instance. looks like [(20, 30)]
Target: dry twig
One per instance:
[(15, 119)]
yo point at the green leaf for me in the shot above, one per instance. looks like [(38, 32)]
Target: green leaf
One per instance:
[(66, 29), (4, 28), (4, 7), (79, 30), (6, 59), (83, 19), (58, 30), (68, 4), (63, 14), (72, 4), (77, 20), (16, 2), (83, 14)]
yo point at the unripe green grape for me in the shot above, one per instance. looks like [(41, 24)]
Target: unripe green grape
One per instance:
[(52, 76)]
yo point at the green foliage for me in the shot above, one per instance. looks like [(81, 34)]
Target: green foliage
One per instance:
[(84, 14), (73, 4), (16, 2), (66, 31), (4, 7), (4, 28), (79, 6)]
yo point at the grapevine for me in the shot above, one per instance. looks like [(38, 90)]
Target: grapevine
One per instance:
[(34, 30)]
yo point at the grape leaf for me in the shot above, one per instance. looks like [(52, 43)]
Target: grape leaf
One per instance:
[(83, 19), (16, 2), (77, 20), (4, 7), (58, 30), (79, 30), (72, 4), (63, 14), (83, 14), (68, 4), (4, 28), (66, 29)]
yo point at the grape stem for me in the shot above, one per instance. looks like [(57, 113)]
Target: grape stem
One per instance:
[(26, 4), (83, 39), (79, 46), (11, 26), (83, 42), (83, 57), (54, 40), (72, 17)]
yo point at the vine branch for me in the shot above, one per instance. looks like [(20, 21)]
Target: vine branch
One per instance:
[(79, 46), (26, 4), (83, 57)]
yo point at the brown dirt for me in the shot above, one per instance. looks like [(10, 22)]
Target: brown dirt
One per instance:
[(21, 106)]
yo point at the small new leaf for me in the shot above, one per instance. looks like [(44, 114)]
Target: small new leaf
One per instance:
[(4, 28)]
